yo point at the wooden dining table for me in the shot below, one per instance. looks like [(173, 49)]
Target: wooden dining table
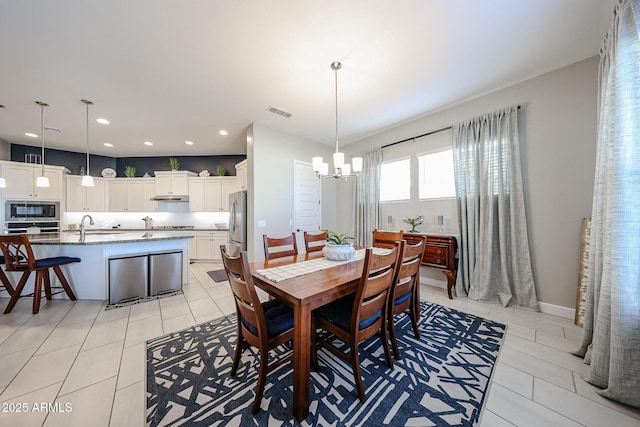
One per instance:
[(305, 293)]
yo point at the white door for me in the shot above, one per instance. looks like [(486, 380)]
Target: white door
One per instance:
[(306, 198)]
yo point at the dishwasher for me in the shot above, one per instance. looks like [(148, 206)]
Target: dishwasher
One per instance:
[(128, 276), (165, 272)]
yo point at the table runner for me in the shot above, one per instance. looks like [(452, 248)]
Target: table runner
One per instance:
[(278, 274)]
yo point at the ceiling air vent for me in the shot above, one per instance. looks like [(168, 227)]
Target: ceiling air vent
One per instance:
[(279, 112)]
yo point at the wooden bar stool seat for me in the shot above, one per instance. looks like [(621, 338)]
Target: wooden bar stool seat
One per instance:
[(18, 256)]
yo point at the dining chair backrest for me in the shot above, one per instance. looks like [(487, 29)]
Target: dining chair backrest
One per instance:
[(315, 242), (372, 296), (17, 252), (248, 305), (286, 246), (386, 239), (408, 268)]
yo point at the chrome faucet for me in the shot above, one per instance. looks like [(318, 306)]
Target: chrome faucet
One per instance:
[(82, 230)]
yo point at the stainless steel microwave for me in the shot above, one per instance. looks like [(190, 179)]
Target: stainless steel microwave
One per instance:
[(31, 210)]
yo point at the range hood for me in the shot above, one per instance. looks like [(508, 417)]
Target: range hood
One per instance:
[(171, 198)]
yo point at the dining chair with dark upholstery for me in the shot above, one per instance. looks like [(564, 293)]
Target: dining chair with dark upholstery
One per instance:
[(18, 257), (261, 325), (358, 317), (315, 242), (284, 246), (386, 239), (403, 298)]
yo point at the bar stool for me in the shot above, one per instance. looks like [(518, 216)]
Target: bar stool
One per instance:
[(18, 256)]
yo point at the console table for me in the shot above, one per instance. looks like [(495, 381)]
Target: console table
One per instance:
[(440, 252)]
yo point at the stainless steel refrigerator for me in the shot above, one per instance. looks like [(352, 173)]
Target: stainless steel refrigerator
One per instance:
[(237, 223)]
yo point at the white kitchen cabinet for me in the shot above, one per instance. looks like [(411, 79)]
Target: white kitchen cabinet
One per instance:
[(86, 199), (21, 181), (207, 245), (211, 194), (172, 183), (132, 195), (241, 175)]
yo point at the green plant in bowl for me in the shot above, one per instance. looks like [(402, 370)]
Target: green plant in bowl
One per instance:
[(174, 164), (338, 238), (221, 170), (130, 172)]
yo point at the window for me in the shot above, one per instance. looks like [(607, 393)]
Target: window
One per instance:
[(395, 180), (435, 175)]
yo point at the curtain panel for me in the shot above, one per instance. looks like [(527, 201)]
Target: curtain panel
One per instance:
[(495, 263), (611, 335), (367, 200)]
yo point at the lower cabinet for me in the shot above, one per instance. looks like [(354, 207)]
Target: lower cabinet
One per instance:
[(206, 245)]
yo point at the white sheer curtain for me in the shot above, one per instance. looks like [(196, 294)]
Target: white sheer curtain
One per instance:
[(367, 200), (495, 262), (611, 336)]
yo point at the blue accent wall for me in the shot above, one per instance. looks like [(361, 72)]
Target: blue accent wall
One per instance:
[(74, 161)]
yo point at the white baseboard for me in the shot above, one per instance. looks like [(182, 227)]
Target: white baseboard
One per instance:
[(434, 282), (557, 310), (544, 307)]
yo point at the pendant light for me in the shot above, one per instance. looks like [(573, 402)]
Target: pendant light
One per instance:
[(42, 181), (341, 169), (87, 179)]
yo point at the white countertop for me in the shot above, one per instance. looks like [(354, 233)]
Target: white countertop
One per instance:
[(106, 237)]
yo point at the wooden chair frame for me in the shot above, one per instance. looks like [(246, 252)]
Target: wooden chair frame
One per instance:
[(372, 296), (249, 307), (18, 257), (406, 280), (386, 239), (276, 242), (313, 238)]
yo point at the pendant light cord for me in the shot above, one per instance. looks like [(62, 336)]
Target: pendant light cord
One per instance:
[(336, 81), (42, 105), (88, 138)]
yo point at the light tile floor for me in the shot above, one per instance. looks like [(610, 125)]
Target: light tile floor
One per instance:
[(75, 364)]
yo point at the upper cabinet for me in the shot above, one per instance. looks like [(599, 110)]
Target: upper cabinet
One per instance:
[(21, 181), (86, 199), (132, 195), (172, 183), (241, 175), (211, 194)]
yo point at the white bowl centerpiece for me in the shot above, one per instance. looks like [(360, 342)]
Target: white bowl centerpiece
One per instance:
[(339, 247)]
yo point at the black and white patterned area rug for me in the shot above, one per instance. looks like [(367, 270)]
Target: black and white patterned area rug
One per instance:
[(441, 380)]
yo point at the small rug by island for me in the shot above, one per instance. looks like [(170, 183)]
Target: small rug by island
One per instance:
[(441, 380), (218, 275)]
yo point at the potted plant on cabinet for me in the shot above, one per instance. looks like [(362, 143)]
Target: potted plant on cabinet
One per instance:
[(339, 246)]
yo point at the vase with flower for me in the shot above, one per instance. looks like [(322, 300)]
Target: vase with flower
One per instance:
[(414, 222)]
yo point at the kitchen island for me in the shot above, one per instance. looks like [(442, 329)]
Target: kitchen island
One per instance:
[(89, 279)]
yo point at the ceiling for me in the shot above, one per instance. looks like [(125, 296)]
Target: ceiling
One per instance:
[(168, 71)]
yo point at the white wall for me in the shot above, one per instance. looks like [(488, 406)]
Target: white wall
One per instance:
[(558, 137), (270, 157)]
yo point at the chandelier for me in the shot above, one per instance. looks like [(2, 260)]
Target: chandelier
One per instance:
[(340, 168)]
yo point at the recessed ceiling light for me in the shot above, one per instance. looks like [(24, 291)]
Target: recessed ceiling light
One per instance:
[(148, 143), (106, 144), (31, 135), (223, 132), (103, 121), (189, 142)]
